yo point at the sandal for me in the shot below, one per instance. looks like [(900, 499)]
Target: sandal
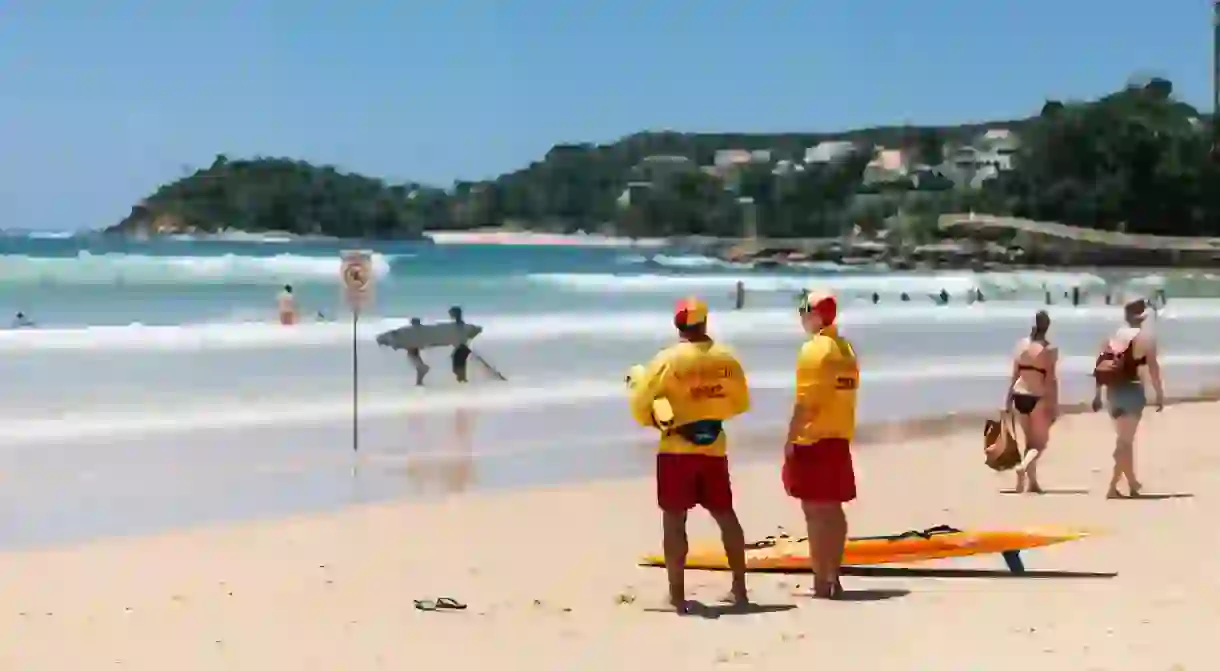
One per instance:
[(441, 603)]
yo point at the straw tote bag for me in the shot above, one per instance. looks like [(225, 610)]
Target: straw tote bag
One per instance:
[(1000, 447)]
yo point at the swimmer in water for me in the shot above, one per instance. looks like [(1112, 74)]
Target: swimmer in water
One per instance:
[(20, 321), (417, 359), (287, 305)]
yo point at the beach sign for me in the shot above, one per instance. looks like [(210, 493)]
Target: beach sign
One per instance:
[(356, 273)]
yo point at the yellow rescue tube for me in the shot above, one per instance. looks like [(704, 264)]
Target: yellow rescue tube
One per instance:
[(782, 553), (662, 411)]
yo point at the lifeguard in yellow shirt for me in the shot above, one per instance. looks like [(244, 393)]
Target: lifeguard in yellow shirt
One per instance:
[(703, 385), (818, 468)]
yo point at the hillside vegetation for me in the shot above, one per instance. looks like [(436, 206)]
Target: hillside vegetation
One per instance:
[(1137, 160)]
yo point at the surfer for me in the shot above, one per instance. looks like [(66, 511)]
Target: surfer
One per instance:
[(705, 386), (417, 358), (1128, 350), (818, 468), (287, 305), (461, 351), (740, 301), (1033, 392)]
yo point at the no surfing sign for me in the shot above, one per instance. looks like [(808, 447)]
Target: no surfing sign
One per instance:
[(356, 273)]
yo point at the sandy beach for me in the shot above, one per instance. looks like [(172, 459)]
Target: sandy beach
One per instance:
[(550, 578)]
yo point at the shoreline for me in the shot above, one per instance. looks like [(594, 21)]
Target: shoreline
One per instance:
[(550, 578)]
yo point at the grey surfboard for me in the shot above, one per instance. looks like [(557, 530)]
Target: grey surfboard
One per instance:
[(443, 334)]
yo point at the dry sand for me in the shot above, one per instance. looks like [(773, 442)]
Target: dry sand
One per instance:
[(550, 578)]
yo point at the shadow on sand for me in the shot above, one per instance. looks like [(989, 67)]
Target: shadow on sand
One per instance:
[(1048, 492), (903, 572), (714, 611), (870, 594), (1154, 497)]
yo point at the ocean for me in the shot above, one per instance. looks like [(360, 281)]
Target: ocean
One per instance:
[(157, 385)]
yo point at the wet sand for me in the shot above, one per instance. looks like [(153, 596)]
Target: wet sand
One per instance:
[(550, 580)]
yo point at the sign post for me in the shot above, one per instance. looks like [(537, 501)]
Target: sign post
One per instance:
[(356, 273)]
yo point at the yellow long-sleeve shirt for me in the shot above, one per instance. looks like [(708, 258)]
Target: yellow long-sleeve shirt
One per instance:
[(701, 381)]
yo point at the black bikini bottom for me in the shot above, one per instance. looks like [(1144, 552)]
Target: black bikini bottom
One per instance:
[(1024, 403)]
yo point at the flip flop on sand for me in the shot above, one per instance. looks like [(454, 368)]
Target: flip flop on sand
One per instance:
[(441, 603)]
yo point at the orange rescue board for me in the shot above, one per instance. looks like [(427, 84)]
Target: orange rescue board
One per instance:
[(782, 553)]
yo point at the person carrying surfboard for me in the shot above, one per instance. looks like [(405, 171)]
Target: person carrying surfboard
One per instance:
[(818, 468), (461, 351), (417, 358), (705, 386)]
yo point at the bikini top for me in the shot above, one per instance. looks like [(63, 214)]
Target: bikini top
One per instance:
[(1022, 366)]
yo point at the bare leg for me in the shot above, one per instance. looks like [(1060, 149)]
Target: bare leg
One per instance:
[(827, 528), (1125, 428), (1039, 427), (1024, 422), (734, 540), (674, 543)]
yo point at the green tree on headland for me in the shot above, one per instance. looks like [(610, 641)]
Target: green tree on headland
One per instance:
[(1137, 160), (272, 194)]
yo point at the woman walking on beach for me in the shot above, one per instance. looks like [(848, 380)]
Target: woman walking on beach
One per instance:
[(1033, 392), (1129, 350)]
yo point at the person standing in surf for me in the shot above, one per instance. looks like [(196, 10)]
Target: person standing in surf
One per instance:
[(705, 386), (818, 469), (286, 303), (1129, 350), (1033, 392), (416, 357), (461, 351)]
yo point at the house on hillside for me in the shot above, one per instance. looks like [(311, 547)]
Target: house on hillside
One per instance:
[(829, 151), (888, 165), (972, 164)]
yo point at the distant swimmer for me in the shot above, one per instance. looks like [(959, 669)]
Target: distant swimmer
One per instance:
[(287, 305), (417, 359), (941, 298), (876, 298), (740, 301), (905, 297), (705, 386), (1076, 296), (20, 321), (1033, 392)]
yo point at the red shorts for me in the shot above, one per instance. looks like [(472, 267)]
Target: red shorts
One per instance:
[(821, 472), (688, 480)]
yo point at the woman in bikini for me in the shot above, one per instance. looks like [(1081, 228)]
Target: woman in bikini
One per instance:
[(1033, 392), (1131, 349)]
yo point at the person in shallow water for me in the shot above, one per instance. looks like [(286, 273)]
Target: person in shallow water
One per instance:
[(286, 304), (416, 357), (20, 321), (461, 352), (705, 386), (1033, 392)]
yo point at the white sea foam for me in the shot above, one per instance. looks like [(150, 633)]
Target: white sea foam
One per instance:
[(757, 324), (313, 412), (892, 284), (109, 269)]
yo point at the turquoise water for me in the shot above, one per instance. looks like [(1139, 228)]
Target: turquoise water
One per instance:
[(83, 281)]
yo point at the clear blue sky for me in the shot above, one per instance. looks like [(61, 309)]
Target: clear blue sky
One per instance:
[(102, 101)]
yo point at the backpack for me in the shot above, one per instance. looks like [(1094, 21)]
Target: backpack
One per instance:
[(1115, 367)]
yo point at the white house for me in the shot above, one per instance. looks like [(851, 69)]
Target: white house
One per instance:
[(831, 150)]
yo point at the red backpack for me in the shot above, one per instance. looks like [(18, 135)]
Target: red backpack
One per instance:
[(1116, 367)]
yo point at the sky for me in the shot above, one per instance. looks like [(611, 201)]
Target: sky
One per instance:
[(101, 102)]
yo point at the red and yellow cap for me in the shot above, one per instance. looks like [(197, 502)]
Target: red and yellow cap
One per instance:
[(690, 312), (822, 304)]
